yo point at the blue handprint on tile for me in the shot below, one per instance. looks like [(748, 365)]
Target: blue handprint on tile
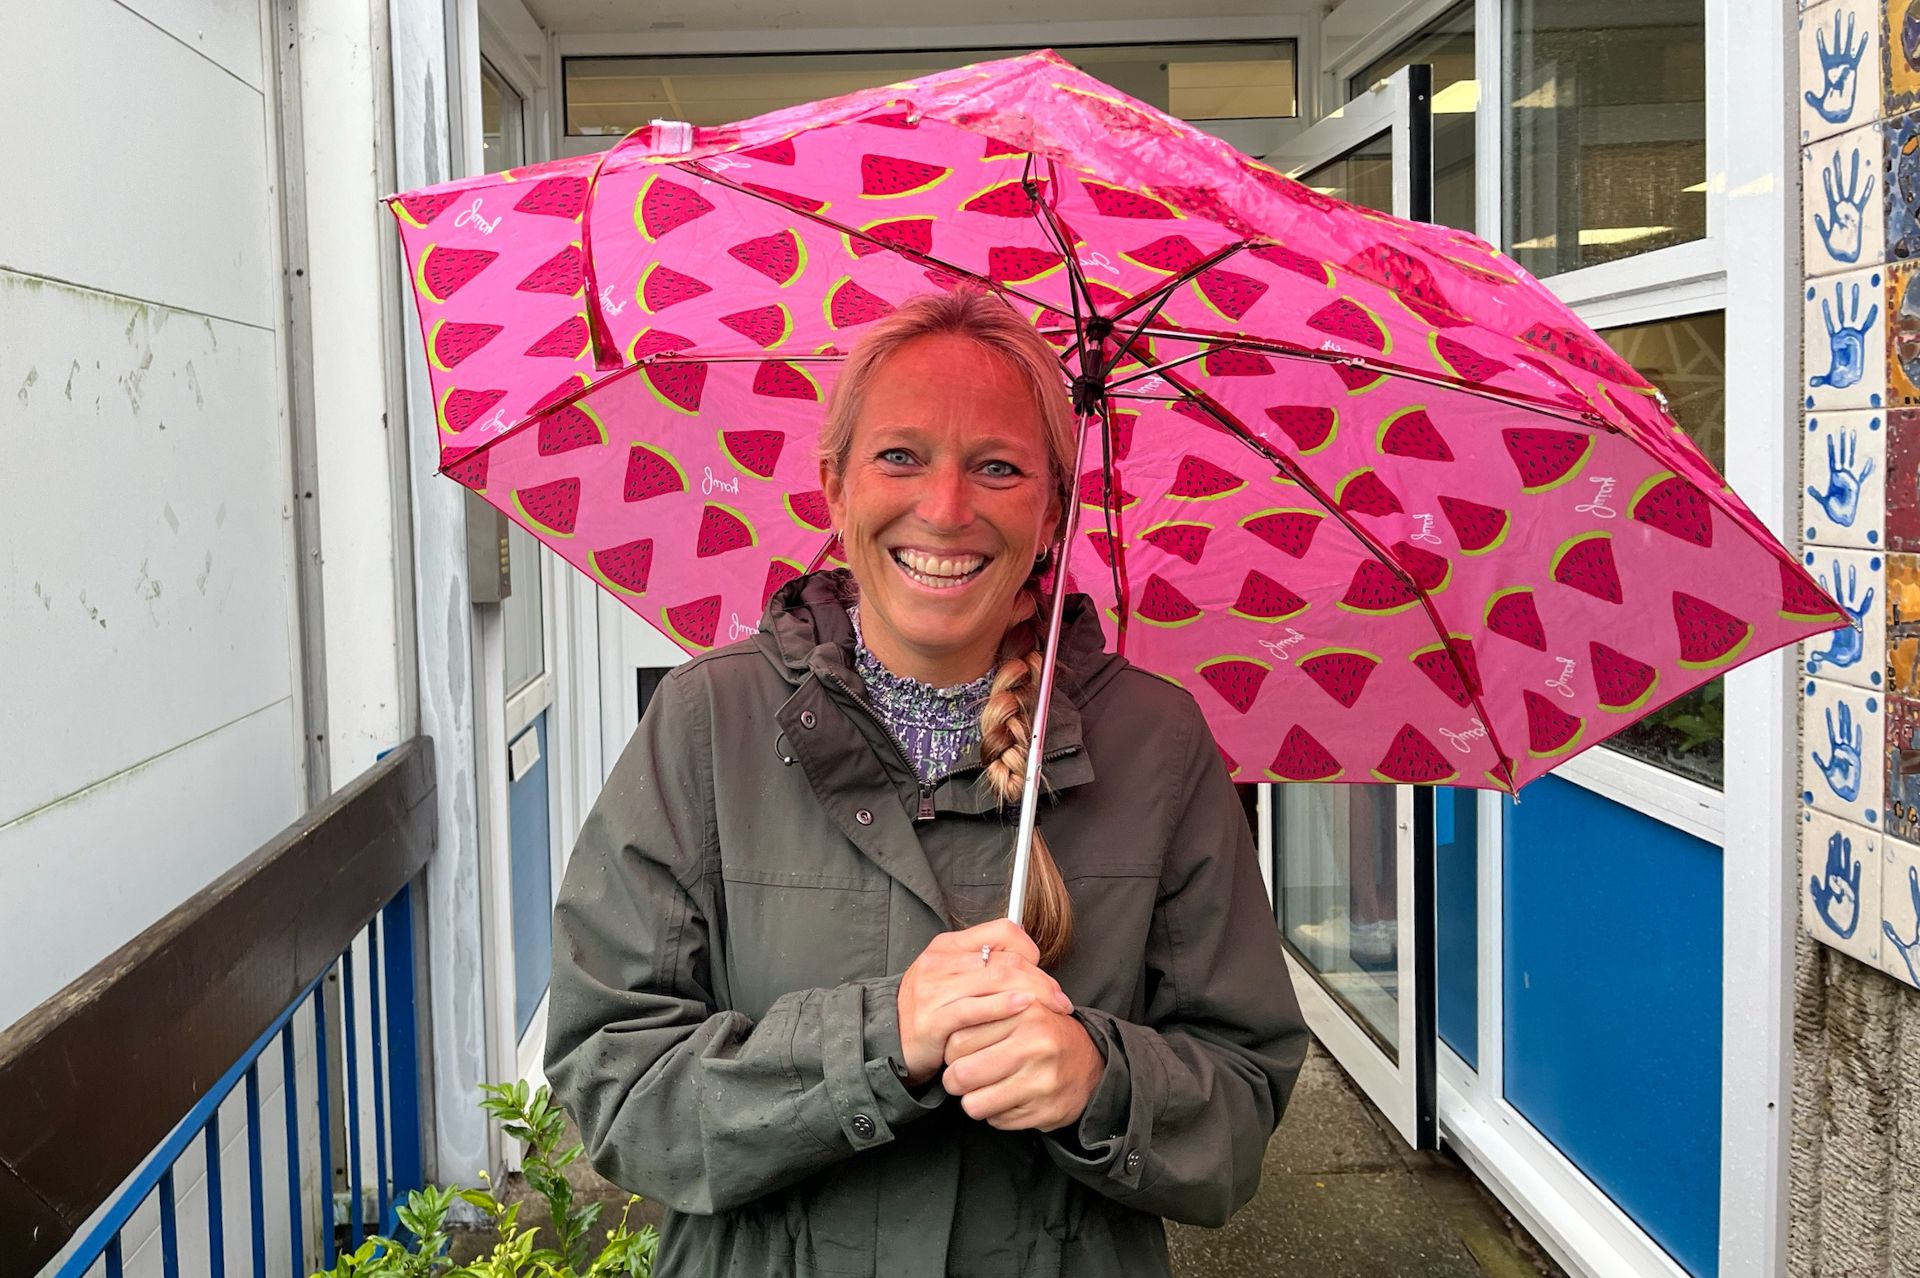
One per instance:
[(1836, 894), (1839, 71), (1842, 767), (1847, 645), (1908, 948), (1847, 339), (1845, 475), (1843, 228)]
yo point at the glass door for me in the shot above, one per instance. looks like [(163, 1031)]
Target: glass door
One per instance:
[(1353, 864)]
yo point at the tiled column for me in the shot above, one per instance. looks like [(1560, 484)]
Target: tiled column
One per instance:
[(1860, 726)]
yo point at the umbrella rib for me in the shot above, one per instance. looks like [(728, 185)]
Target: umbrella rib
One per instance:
[(1238, 429), (1049, 219), (1140, 329), (921, 259), (1272, 346), (1171, 285)]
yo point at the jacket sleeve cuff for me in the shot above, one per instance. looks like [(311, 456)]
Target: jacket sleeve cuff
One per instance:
[(860, 1033), (1111, 1137)]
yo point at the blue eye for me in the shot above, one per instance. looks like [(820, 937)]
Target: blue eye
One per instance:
[(1001, 470), (897, 457)]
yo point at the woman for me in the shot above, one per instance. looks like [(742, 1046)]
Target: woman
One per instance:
[(769, 1012)]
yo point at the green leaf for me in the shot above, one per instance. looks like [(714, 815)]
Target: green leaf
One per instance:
[(482, 1199)]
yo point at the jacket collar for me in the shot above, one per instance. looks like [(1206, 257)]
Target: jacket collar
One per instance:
[(806, 634)]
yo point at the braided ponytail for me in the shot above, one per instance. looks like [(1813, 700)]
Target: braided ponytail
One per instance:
[(1006, 724)]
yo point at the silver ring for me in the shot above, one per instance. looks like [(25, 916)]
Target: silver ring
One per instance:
[(986, 955)]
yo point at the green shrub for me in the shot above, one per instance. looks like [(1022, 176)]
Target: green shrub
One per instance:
[(531, 1118)]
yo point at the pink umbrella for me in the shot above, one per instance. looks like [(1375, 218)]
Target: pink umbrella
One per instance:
[(1364, 487)]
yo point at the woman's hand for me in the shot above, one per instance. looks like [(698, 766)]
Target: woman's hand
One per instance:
[(949, 989), (1035, 1069)]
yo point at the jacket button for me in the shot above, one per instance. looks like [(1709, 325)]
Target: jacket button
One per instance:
[(1133, 1163), (808, 718), (864, 817), (863, 1127)]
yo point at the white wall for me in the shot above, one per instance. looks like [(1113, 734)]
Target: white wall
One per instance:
[(344, 224), (149, 706)]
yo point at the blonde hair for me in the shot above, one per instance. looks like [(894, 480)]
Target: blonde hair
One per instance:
[(1007, 718)]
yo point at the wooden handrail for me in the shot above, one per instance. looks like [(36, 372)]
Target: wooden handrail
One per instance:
[(95, 1077)]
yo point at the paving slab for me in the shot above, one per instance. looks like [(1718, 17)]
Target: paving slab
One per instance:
[(1332, 1225)]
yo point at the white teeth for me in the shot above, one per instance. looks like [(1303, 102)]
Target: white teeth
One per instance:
[(935, 566), (936, 572)]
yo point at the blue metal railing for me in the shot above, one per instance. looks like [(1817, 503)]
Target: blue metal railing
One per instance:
[(393, 1129)]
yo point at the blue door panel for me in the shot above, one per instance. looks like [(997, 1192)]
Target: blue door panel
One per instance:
[(1612, 972), (530, 861), (1456, 836)]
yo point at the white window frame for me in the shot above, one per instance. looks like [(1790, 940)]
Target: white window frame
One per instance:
[(502, 36), (1302, 29), (1752, 225)]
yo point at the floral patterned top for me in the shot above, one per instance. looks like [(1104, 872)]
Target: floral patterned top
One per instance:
[(940, 727)]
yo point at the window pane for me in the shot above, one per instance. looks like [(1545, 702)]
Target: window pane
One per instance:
[(1335, 895), (1362, 176), (1606, 130), (503, 142), (1446, 45), (1686, 359), (526, 655), (1251, 79)]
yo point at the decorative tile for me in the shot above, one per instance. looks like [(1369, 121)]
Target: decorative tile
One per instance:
[(1840, 873), (1844, 499), (1846, 340), (1899, 938), (1901, 819), (1900, 50), (1899, 183), (1903, 334), (1903, 625), (1842, 751), (1844, 210), (1839, 67), (1901, 482), (1855, 654)]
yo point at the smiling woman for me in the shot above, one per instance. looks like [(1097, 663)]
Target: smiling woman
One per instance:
[(776, 1008)]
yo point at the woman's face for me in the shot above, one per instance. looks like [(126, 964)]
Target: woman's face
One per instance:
[(946, 500)]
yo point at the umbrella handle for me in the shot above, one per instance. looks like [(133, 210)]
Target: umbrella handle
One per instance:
[(1036, 739)]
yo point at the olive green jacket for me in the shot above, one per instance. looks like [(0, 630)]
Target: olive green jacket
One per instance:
[(758, 871)]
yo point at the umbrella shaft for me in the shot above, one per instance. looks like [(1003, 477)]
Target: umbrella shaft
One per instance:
[(1036, 739)]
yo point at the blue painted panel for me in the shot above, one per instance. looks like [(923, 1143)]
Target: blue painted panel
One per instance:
[(530, 857), (1456, 833), (1612, 976)]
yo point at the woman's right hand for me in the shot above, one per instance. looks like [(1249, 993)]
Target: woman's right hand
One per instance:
[(948, 988)]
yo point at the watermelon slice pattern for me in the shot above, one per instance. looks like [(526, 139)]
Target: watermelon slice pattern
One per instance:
[(1360, 577)]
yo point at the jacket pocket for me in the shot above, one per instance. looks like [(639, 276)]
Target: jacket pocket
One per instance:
[(788, 932)]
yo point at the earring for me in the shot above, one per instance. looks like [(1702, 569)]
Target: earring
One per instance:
[(1043, 559)]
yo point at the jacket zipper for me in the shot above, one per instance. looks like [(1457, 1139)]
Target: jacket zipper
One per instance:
[(925, 811)]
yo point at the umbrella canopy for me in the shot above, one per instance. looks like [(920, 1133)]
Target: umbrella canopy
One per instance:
[(1363, 486)]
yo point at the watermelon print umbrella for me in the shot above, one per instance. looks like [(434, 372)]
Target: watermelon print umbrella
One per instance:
[(1366, 489)]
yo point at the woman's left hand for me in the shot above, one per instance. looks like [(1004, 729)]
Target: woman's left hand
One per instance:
[(1034, 1070)]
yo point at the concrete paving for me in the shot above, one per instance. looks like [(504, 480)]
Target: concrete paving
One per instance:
[(1341, 1196)]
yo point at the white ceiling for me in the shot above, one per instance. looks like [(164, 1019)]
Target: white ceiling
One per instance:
[(614, 17)]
